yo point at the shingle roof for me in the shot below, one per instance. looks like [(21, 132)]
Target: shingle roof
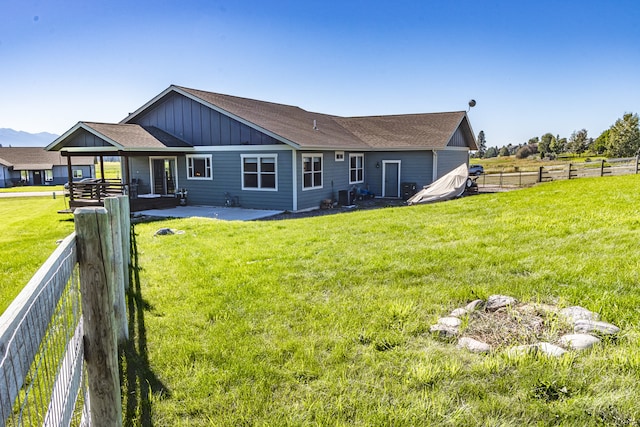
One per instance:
[(135, 136), (409, 131), (37, 158)]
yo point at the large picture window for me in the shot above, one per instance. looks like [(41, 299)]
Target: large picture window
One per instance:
[(356, 168), (259, 172), (48, 175), (199, 166), (311, 171)]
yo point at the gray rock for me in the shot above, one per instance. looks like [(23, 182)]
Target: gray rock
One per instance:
[(575, 313), (473, 346), (453, 322), (578, 341), (587, 326), (164, 232), (459, 312), (550, 349), (495, 302), (474, 305), (444, 331)]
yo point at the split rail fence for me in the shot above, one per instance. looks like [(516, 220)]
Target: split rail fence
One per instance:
[(59, 338), (609, 167)]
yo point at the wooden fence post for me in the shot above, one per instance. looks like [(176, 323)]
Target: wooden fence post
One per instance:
[(602, 168), (540, 174), (637, 163), (112, 205), (569, 174), (125, 219), (100, 345)]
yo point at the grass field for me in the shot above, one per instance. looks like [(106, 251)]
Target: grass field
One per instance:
[(512, 164), (325, 321), (29, 229), (32, 188)]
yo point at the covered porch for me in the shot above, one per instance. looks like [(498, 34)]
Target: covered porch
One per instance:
[(154, 183), (160, 193)]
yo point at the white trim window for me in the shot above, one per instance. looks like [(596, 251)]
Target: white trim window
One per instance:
[(48, 175), (339, 156), (199, 166), (356, 168), (311, 171), (260, 172), (77, 173)]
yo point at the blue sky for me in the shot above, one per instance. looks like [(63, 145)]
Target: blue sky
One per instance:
[(532, 66)]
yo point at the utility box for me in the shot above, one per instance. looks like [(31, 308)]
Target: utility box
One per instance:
[(343, 198), (408, 189)]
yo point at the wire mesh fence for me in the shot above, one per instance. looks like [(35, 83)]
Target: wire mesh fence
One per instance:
[(41, 347)]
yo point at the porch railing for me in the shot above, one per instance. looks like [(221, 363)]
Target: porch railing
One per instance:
[(96, 190)]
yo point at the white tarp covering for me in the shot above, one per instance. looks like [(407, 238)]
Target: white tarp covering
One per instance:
[(450, 186)]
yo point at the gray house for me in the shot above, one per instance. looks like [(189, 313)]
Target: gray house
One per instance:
[(36, 166), (269, 156)]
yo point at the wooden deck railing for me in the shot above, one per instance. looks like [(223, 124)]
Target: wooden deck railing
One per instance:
[(96, 190)]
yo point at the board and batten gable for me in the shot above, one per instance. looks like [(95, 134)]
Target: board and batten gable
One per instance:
[(84, 138), (200, 125)]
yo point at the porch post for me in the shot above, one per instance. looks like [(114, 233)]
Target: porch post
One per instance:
[(70, 175), (102, 167)]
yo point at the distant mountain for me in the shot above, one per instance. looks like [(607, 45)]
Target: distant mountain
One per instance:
[(15, 138)]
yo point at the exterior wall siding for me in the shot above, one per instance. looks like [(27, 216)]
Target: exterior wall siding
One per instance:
[(84, 138), (415, 167), (200, 125), (458, 140), (4, 177), (451, 159), (227, 178)]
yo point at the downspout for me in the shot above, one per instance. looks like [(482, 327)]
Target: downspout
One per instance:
[(435, 166)]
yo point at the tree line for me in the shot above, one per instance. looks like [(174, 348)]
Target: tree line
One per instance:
[(622, 139)]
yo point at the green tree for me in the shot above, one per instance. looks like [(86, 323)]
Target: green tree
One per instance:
[(578, 142), (601, 143), (482, 144), (504, 151), (543, 145), (558, 144), (491, 152), (624, 137)]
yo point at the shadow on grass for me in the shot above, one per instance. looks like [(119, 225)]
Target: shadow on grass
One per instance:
[(139, 384)]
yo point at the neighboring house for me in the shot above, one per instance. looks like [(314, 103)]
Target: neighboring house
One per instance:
[(36, 166), (267, 155)]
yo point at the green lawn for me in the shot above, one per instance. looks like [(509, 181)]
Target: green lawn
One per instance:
[(325, 321), (32, 188), (29, 229)]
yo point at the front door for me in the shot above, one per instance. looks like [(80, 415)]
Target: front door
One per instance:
[(37, 178), (163, 173), (391, 178)]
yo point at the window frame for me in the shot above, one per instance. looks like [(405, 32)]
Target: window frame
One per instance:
[(77, 173), (339, 156), (312, 172), (48, 175), (259, 173), (356, 169), (208, 166)]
